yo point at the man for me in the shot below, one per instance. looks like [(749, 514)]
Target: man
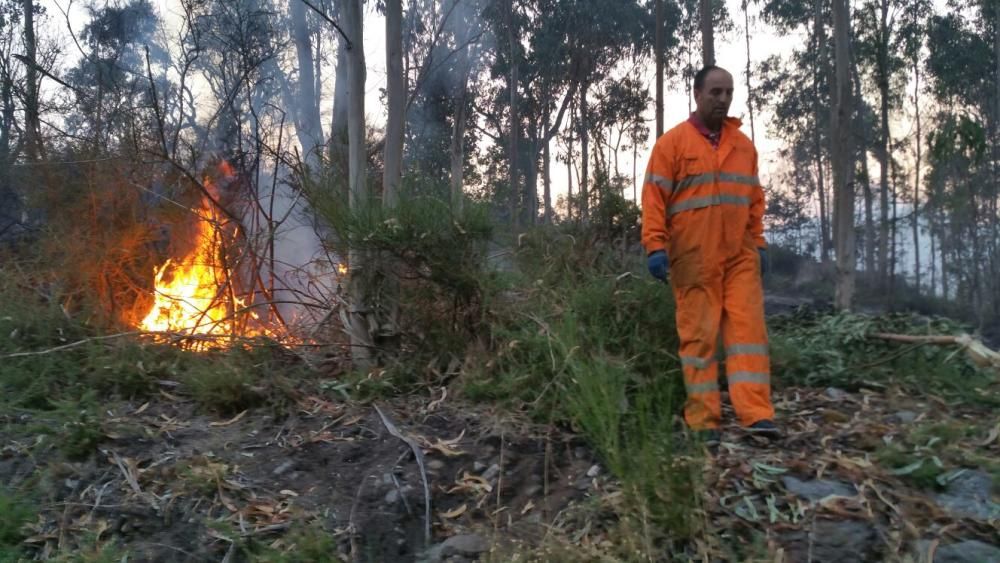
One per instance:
[(702, 211)]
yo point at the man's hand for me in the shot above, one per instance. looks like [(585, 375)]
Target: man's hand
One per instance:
[(658, 265), (765, 261)]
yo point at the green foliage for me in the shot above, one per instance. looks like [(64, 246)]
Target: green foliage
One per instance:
[(573, 302), (15, 514), (584, 337), (307, 544), (814, 349)]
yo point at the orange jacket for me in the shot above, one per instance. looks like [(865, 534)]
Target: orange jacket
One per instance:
[(698, 198)]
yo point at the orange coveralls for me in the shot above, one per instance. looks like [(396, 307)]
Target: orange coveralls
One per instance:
[(705, 206)]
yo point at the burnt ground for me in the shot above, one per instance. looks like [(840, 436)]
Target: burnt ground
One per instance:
[(872, 475)]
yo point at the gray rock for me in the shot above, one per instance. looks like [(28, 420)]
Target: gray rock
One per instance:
[(970, 551), (968, 495), (833, 541), (284, 467), (392, 497), (817, 489), (478, 466), (905, 417), (435, 464), (532, 490), (464, 544), (835, 394), (594, 471), (491, 473)]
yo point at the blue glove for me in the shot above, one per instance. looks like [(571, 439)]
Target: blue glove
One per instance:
[(765, 261), (658, 265)]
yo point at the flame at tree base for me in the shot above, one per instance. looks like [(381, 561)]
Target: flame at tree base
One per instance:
[(194, 295)]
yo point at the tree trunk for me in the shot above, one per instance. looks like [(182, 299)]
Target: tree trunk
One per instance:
[(458, 147), (870, 239), (392, 172), (892, 228), (338, 124), (547, 171), (515, 118), (584, 154), (569, 163), (307, 120), (746, 23), (707, 33), (915, 222), (883, 152), (841, 120), (362, 352), (32, 123), (464, 66), (658, 55), (820, 46)]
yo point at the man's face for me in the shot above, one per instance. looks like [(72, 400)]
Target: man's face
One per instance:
[(715, 96)]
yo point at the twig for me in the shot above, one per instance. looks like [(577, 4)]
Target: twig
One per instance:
[(70, 345), (132, 482), (347, 42), (419, 455)]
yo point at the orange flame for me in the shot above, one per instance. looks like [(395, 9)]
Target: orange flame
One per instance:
[(190, 292)]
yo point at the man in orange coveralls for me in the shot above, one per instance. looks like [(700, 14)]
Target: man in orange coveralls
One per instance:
[(702, 211)]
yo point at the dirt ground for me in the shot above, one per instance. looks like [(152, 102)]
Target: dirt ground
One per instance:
[(168, 484)]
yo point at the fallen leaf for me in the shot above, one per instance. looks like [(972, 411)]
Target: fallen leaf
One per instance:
[(230, 421), (454, 513), (527, 507), (909, 468), (142, 409), (288, 493), (994, 434)]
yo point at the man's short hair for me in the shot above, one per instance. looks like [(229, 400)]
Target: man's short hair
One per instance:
[(699, 77)]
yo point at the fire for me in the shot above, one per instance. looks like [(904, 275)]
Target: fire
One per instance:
[(191, 292)]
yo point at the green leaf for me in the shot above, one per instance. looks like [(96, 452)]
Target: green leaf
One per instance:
[(909, 468)]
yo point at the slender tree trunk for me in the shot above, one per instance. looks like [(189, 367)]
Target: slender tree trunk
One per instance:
[(746, 26), (392, 172), (842, 168), (870, 239), (515, 118), (338, 124), (883, 152), (820, 46), (658, 54), (464, 66), (893, 227), (307, 120), (933, 255), (707, 34), (458, 145), (546, 170), (915, 223), (362, 352), (32, 123), (584, 153), (569, 162), (943, 244)]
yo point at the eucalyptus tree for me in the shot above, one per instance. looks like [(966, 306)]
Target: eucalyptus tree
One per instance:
[(962, 182), (889, 32), (843, 181)]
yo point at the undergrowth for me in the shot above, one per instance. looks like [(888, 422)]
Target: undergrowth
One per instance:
[(825, 348)]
